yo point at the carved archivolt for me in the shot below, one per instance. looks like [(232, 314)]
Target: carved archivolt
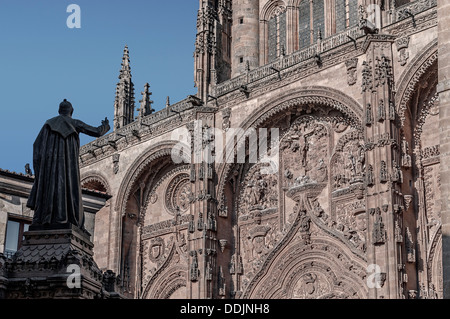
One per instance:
[(411, 77), (159, 150), (321, 270), (95, 178), (169, 277), (293, 99), (272, 8)]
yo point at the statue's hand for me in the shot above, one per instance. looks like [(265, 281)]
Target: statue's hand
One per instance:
[(105, 122)]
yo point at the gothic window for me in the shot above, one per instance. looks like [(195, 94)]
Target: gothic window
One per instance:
[(304, 24), (311, 22), (346, 14), (318, 19), (277, 33)]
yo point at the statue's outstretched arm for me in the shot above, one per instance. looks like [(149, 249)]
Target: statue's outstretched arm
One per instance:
[(93, 131)]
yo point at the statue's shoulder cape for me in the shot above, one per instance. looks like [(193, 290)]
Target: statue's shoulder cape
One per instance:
[(63, 125)]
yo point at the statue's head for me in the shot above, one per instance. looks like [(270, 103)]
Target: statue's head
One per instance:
[(65, 108)]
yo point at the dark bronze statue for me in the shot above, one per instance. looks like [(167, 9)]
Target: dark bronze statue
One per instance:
[(56, 193)]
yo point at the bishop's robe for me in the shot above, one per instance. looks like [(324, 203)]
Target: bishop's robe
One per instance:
[(56, 194)]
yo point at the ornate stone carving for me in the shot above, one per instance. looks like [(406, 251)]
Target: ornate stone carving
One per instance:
[(194, 272), (383, 172), (209, 271), (236, 265), (410, 246), (412, 294), (226, 115), (369, 118), (153, 198), (223, 244), (191, 227), (430, 152), (348, 163), (381, 115), (406, 158), (211, 223), (383, 71), (408, 200), (402, 46), (367, 81), (223, 209), (397, 174), (116, 158), (414, 8), (352, 71), (369, 177), (192, 176), (305, 162), (221, 282), (200, 222), (260, 191), (398, 232), (178, 194), (156, 249), (379, 231)]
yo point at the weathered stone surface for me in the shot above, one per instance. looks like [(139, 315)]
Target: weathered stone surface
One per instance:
[(361, 177)]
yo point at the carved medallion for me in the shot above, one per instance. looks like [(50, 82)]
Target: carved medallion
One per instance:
[(178, 194)]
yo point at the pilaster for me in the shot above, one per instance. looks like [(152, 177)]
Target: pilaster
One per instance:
[(383, 158)]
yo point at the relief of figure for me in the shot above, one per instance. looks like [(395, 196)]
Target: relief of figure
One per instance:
[(304, 150), (360, 165), (259, 245), (258, 188), (248, 249), (310, 283), (352, 165)]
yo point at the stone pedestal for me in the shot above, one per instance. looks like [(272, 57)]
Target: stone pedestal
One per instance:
[(56, 264)]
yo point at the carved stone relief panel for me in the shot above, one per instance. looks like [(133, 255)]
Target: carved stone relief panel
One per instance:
[(304, 152), (432, 198), (260, 192), (256, 241), (348, 163), (154, 253)]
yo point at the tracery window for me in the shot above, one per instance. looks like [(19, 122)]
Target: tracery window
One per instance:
[(311, 22), (277, 33), (346, 14)]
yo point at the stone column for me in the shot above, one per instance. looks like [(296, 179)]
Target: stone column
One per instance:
[(444, 100)]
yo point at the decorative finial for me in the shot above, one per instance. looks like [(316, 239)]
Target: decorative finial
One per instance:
[(146, 103)]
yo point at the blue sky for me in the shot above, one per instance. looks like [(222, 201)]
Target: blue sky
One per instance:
[(43, 62)]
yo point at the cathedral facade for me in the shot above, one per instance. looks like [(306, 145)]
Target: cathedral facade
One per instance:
[(350, 95)]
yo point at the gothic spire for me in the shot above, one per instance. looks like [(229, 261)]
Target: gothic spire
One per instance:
[(126, 69), (146, 103), (124, 101)]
